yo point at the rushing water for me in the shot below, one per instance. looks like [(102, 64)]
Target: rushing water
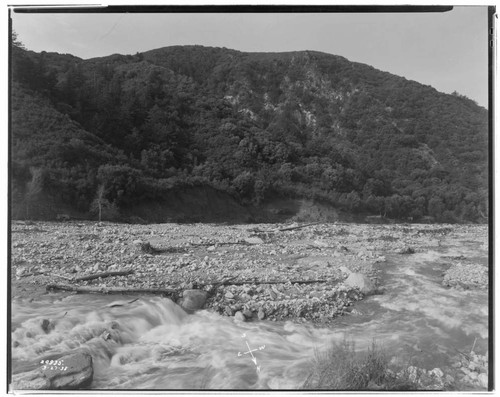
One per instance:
[(152, 344)]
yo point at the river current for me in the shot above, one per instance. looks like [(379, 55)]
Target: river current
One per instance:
[(151, 343)]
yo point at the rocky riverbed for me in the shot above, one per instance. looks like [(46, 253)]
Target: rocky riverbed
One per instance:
[(310, 273), (252, 271)]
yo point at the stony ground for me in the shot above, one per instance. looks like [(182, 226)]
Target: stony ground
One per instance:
[(466, 276), (261, 271)]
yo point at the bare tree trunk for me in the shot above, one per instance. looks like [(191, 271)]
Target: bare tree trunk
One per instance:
[(99, 199), (105, 274), (33, 187), (111, 290)]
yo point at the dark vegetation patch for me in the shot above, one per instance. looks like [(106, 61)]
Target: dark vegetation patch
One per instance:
[(340, 367), (106, 138)]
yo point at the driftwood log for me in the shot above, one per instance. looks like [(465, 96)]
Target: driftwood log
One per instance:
[(243, 282), (149, 249), (104, 274), (285, 229), (219, 243), (167, 291), (122, 303), (275, 282), (110, 290), (33, 274)]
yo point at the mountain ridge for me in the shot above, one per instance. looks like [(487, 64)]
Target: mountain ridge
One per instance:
[(258, 125), (277, 53)]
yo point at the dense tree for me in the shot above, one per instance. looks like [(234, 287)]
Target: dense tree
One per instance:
[(302, 124)]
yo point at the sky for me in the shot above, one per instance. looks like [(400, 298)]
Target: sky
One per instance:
[(448, 51)]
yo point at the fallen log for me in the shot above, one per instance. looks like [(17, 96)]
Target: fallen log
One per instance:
[(39, 273), (243, 282), (104, 275), (201, 244), (472, 350), (319, 248), (110, 290), (175, 250), (285, 229), (463, 354), (216, 283), (219, 243), (149, 249), (281, 282), (121, 303), (226, 280)]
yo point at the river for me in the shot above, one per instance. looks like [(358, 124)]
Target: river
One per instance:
[(151, 343)]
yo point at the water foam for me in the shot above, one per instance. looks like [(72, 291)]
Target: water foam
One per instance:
[(152, 343)]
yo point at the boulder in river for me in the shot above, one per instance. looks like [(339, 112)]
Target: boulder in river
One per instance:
[(68, 372), (362, 282), (407, 251), (193, 299), (239, 316), (247, 313), (46, 325), (229, 311)]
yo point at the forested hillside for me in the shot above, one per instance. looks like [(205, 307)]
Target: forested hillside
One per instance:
[(118, 132)]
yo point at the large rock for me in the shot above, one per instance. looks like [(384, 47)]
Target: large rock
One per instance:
[(254, 240), (483, 380), (193, 299), (407, 251), (69, 372), (247, 313), (239, 316), (362, 282)]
